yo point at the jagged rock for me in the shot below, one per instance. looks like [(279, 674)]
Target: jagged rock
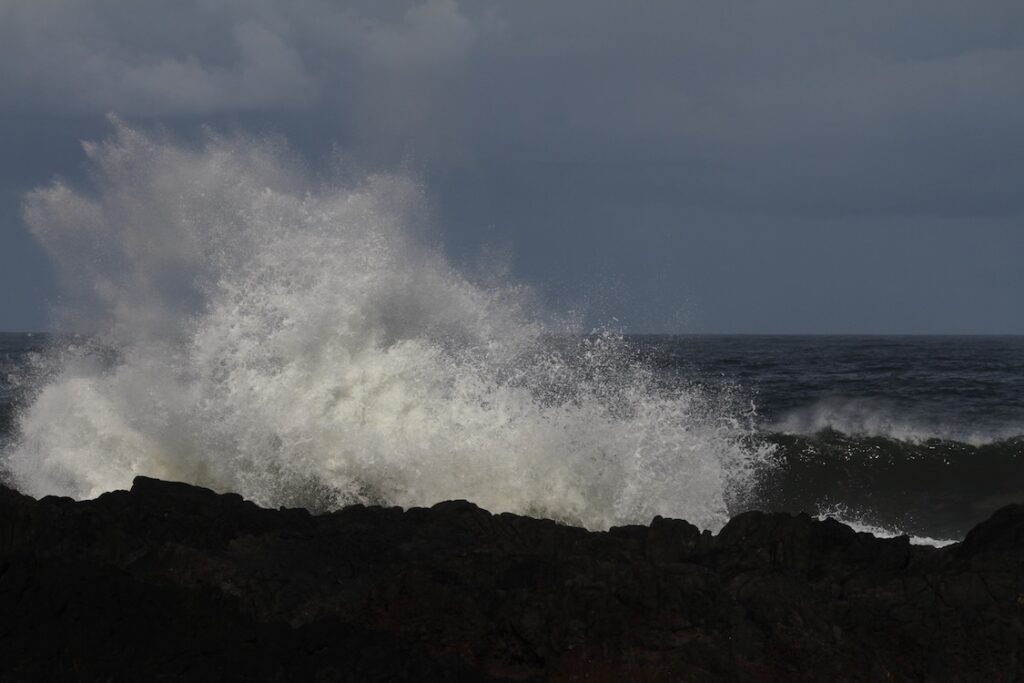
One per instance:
[(174, 582)]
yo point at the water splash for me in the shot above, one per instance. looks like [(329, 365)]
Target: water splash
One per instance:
[(299, 342)]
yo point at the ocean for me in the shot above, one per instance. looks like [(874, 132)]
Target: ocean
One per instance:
[(895, 435), (305, 340), (922, 435)]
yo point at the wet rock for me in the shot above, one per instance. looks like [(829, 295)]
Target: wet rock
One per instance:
[(174, 582)]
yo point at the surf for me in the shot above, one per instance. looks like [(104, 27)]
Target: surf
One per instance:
[(260, 328)]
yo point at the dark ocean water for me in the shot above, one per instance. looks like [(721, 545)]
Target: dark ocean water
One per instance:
[(922, 435), (919, 434)]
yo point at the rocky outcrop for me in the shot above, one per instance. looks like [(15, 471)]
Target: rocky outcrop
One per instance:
[(174, 582)]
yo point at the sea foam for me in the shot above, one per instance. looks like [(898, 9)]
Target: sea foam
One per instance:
[(300, 341)]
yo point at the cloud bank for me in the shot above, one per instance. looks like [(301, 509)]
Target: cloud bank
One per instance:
[(578, 121), (797, 105)]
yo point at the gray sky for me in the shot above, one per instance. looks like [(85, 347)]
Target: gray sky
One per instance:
[(746, 166)]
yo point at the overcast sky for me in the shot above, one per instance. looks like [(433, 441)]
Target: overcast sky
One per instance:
[(748, 166)]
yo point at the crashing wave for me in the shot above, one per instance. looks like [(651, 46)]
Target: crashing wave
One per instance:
[(299, 341)]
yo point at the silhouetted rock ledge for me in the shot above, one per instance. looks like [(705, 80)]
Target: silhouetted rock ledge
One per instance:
[(173, 582)]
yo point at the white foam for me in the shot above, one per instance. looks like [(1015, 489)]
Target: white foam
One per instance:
[(857, 523), (867, 418), (295, 341)]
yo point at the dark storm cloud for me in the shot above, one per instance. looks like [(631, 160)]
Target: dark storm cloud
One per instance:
[(197, 56), (600, 136), (781, 105)]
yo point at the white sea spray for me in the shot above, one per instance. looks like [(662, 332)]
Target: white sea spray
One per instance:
[(301, 342)]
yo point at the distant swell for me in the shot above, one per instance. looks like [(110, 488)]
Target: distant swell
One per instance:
[(298, 340)]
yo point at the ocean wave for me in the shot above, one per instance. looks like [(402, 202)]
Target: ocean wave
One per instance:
[(298, 340), (858, 417), (937, 489)]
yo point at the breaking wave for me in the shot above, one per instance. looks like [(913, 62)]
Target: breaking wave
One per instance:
[(861, 417), (299, 341)]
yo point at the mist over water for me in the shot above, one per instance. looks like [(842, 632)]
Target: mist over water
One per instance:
[(259, 329)]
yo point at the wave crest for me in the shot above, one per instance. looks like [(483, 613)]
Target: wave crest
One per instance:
[(859, 417)]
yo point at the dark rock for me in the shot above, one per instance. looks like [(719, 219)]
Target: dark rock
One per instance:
[(173, 582)]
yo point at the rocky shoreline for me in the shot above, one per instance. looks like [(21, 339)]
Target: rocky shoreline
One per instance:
[(174, 582)]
